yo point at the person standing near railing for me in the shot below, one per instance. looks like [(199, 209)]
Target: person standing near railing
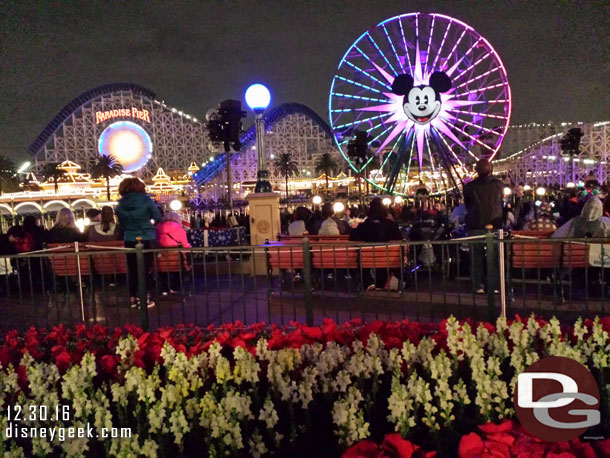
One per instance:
[(483, 199), (170, 233), (137, 214)]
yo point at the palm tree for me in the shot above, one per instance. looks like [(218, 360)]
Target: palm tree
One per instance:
[(326, 164), (52, 172), (107, 167), (286, 166), (7, 172)]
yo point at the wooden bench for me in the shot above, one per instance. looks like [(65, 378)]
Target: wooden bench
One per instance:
[(575, 255), (171, 261), (66, 265), (382, 256), (285, 256), (334, 257), (535, 255), (110, 263)]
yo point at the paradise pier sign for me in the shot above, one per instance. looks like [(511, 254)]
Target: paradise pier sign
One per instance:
[(133, 112)]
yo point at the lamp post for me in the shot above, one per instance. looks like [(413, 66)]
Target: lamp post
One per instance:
[(258, 98)]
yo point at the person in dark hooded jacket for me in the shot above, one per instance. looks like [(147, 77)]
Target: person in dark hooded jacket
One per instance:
[(137, 215)]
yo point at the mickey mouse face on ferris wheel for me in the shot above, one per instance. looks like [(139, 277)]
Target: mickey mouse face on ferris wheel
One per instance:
[(422, 103)]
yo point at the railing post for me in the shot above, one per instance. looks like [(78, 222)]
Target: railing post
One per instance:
[(501, 266), (142, 293), (80, 282), (491, 274), (307, 282)]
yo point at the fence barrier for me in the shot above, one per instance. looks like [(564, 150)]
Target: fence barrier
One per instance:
[(478, 277)]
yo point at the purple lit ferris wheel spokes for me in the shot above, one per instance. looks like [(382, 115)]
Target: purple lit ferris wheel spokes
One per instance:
[(466, 121)]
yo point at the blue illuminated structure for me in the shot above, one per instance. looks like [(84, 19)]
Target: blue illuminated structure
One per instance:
[(247, 140), (128, 143)]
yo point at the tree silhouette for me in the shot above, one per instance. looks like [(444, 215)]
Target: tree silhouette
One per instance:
[(284, 165), (326, 164), (52, 172), (7, 172), (106, 166)]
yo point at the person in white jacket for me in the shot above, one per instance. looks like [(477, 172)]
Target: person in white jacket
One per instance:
[(329, 225)]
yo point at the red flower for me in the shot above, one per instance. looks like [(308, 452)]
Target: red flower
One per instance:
[(63, 361), (363, 449), (471, 445), (312, 333), (109, 364), (393, 446)]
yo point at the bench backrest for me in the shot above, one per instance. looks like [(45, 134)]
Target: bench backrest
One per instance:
[(382, 256), (171, 261), (108, 263), (289, 256), (66, 265), (335, 257), (575, 255), (536, 255)]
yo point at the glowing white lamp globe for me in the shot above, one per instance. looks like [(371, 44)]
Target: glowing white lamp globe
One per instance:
[(398, 199), (338, 207), (570, 185), (540, 191), (386, 201), (507, 191), (317, 200), (258, 97), (527, 187), (175, 205)]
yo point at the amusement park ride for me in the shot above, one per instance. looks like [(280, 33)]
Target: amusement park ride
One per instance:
[(417, 97), (432, 95)]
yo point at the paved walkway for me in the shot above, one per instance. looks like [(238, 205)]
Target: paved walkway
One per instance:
[(222, 298)]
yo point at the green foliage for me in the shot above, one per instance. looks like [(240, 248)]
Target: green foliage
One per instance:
[(106, 167), (284, 165)]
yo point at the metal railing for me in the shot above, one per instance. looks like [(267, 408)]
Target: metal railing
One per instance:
[(305, 281)]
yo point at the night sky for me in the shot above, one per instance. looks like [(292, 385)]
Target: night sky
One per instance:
[(194, 54)]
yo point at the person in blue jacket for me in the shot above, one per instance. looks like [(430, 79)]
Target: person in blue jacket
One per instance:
[(137, 214)]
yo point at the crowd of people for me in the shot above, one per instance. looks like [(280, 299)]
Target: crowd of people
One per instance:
[(577, 212), (137, 217)]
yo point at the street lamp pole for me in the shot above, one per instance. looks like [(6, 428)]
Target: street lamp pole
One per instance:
[(262, 175), (258, 98)]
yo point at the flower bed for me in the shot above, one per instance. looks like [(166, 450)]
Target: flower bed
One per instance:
[(299, 391)]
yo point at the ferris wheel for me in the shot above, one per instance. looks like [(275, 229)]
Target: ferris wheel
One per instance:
[(430, 96)]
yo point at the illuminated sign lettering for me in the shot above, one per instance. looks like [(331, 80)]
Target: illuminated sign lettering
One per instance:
[(101, 116)]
